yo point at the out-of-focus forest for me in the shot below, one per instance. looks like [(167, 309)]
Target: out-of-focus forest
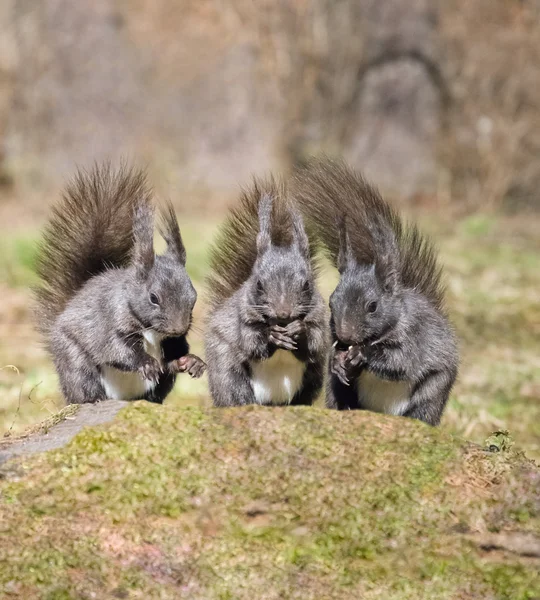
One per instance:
[(436, 101), (428, 98)]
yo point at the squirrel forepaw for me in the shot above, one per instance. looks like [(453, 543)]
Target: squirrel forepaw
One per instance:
[(337, 367), (293, 330), (286, 337), (354, 357), (151, 370), (190, 363), (282, 340)]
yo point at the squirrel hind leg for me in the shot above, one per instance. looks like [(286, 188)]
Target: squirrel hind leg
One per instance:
[(80, 386), (80, 380)]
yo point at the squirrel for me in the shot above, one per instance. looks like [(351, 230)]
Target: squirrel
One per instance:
[(114, 315), (266, 339), (394, 350)]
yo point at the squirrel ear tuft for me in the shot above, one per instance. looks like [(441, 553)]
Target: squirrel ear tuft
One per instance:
[(170, 231), (390, 281), (143, 239), (345, 255), (388, 272), (300, 238), (386, 253), (264, 237)]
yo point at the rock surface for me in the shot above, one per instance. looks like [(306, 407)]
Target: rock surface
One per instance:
[(62, 432), (259, 503)]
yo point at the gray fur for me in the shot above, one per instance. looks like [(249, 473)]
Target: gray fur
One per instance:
[(337, 201), (394, 349), (104, 320), (265, 307)]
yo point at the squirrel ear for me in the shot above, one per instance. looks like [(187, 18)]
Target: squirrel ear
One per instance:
[(143, 239), (390, 281), (170, 232), (300, 238), (345, 256), (387, 272), (386, 252), (264, 237)]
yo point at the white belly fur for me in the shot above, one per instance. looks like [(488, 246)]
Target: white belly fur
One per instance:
[(276, 380), (380, 395), (126, 385)]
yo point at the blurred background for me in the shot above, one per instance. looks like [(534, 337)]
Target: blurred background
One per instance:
[(436, 101)]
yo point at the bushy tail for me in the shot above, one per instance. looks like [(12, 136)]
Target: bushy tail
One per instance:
[(332, 196), (90, 231)]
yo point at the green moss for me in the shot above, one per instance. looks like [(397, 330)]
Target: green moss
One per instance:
[(512, 582), (499, 441), (234, 503)]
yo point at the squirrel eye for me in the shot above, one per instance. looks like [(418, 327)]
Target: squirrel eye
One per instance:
[(306, 287), (260, 286), (372, 307), (154, 299)]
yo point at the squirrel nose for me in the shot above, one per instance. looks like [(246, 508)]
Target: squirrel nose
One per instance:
[(283, 317), (345, 335), (345, 341)]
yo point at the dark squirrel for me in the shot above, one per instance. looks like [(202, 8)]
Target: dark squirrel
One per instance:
[(266, 338), (394, 350), (113, 314)]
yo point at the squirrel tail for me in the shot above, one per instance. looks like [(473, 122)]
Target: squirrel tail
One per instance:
[(339, 204), (331, 196), (90, 231)]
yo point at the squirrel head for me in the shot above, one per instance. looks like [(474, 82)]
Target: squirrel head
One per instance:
[(163, 296), (281, 286), (367, 302)]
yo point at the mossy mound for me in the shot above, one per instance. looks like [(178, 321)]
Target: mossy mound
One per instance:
[(262, 503)]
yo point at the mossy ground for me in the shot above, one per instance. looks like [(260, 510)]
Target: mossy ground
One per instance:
[(171, 502)]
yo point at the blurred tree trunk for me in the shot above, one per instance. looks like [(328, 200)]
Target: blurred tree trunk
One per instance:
[(361, 79), (437, 97)]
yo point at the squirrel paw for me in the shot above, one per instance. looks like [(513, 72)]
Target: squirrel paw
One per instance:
[(293, 330), (347, 364), (337, 366), (354, 357), (151, 370), (281, 340), (189, 363)]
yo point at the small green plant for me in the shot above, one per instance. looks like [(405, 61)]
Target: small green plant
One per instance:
[(499, 441)]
